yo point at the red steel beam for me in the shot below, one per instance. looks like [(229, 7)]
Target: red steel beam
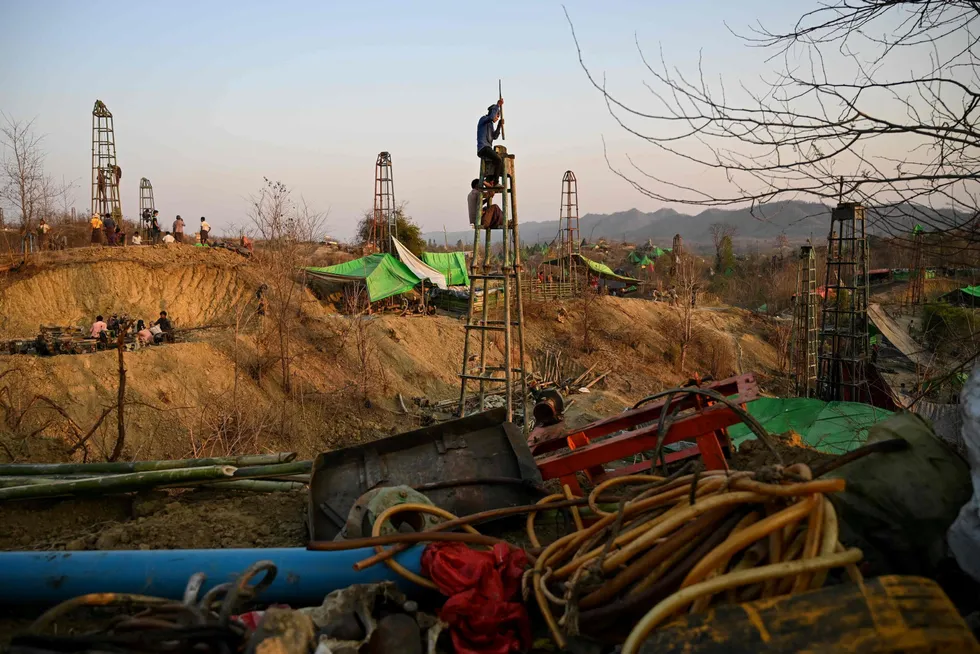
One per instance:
[(597, 453), (549, 439)]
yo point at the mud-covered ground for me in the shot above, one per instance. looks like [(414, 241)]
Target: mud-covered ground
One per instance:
[(178, 520)]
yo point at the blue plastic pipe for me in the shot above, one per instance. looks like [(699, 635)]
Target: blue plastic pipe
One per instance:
[(303, 577)]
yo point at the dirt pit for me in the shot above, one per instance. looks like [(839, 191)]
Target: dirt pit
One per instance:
[(178, 520)]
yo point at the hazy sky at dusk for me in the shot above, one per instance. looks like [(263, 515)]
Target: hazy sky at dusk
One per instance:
[(209, 97)]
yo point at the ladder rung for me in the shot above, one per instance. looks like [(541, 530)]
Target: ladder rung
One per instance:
[(489, 328), (493, 276)]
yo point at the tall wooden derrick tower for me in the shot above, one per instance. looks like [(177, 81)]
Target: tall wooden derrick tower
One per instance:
[(568, 228), (384, 223), (106, 172), (843, 354)]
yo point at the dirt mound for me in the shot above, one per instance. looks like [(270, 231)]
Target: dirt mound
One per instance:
[(753, 454), (181, 520), (195, 287)]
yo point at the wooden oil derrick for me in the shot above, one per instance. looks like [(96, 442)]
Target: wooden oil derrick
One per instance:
[(568, 229), (106, 172), (843, 353), (803, 343), (495, 307), (384, 222), (676, 251), (147, 207), (917, 273)]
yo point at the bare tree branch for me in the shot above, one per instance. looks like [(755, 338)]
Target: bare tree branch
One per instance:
[(838, 115)]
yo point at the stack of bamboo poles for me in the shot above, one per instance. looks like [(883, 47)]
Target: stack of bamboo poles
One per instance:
[(685, 545), (552, 371), (260, 472)]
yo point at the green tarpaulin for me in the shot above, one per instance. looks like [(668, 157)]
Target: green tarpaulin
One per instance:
[(382, 274), (599, 269), (641, 259), (968, 295), (831, 427), (450, 264)]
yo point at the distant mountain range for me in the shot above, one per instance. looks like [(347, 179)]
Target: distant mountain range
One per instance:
[(798, 220)]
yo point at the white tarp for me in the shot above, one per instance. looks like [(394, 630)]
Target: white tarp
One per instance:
[(419, 267)]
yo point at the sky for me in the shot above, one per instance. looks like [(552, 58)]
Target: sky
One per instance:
[(209, 98)]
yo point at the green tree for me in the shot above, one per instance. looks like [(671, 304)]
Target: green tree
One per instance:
[(409, 234), (726, 255)]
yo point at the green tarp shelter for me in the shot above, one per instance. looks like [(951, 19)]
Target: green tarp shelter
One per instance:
[(382, 274), (831, 427), (966, 296), (641, 259), (600, 269), (450, 264), (903, 275)]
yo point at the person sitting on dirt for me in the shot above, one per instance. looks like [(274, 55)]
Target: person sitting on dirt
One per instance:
[(246, 243), (120, 236), (205, 231), (96, 223), (98, 327), (143, 335), (167, 238), (163, 322), (137, 240)]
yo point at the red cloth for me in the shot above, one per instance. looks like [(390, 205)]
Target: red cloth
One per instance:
[(480, 612)]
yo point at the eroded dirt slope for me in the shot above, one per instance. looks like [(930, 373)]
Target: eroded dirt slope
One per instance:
[(197, 288)]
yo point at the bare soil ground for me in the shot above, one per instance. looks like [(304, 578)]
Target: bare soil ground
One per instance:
[(219, 394), (176, 520)]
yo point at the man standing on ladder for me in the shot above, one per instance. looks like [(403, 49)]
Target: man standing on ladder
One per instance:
[(485, 135)]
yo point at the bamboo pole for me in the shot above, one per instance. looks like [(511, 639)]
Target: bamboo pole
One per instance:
[(278, 470), (116, 483), (257, 486), (142, 466)]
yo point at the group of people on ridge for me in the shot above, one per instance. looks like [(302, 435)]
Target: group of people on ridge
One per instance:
[(106, 231), (158, 331)]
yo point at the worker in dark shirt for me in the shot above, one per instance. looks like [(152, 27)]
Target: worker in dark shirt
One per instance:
[(485, 135), (163, 322)]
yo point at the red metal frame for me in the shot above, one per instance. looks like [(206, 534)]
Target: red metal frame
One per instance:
[(588, 454)]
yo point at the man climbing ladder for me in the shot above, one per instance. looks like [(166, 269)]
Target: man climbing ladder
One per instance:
[(485, 136), (495, 285)]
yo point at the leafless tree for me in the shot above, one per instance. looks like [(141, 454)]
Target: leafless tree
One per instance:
[(873, 101), (24, 185), (687, 283), (283, 227)]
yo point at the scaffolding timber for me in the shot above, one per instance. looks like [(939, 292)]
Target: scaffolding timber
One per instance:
[(484, 365), (917, 272), (568, 228), (676, 251), (147, 207), (106, 172), (843, 353), (384, 222), (803, 346)]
